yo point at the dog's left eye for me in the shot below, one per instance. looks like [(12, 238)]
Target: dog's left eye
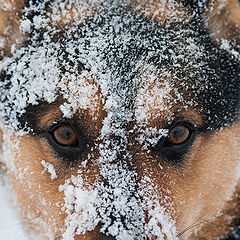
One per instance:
[(178, 134), (180, 137)]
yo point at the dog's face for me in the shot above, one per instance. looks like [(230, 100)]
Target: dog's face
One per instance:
[(120, 118)]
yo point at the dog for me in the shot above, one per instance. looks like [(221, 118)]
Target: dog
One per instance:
[(120, 119)]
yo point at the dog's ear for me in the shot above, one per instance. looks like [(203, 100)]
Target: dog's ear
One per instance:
[(223, 19), (10, 35)]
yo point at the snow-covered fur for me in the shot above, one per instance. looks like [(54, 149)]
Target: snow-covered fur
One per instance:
[(120, 118)]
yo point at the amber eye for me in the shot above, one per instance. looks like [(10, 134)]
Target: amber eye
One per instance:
[(65, 135), (179, 134), (173, 147)]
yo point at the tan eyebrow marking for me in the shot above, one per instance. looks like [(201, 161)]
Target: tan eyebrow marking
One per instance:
[(49, 117), (72, 14)]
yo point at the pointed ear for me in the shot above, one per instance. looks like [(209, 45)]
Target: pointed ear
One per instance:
[(10, 15), (223, 18)]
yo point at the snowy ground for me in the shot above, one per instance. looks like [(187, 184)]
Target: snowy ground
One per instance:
[(10, 227)]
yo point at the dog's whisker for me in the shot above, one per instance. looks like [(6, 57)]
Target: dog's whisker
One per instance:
[(191, 226), (19, 223), (23, 236), (200, 222), (197, 223), (211, 236)]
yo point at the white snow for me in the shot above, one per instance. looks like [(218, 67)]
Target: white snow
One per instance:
[(228, 46), (80, 205), (50, 168), (26, 26), (10, 224)]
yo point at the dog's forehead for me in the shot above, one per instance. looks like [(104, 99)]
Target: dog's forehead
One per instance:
[(115, 50)]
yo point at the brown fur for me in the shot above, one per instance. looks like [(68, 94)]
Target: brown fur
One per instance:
[(210, 161), (156, 9), (10, 14), (224, 21)]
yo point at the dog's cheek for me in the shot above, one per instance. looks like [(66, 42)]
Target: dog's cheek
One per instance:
[(199, 190), (209, 183), (2, 165), (36, 193), (37, 177)]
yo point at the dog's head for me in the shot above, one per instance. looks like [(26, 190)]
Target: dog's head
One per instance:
[(120, 118)]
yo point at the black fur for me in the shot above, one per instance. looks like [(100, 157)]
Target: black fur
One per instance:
[(213, 88)]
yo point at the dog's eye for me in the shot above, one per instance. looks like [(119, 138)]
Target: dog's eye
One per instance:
[(180, 137), (68, 140), (178, 134), (65, 135)]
